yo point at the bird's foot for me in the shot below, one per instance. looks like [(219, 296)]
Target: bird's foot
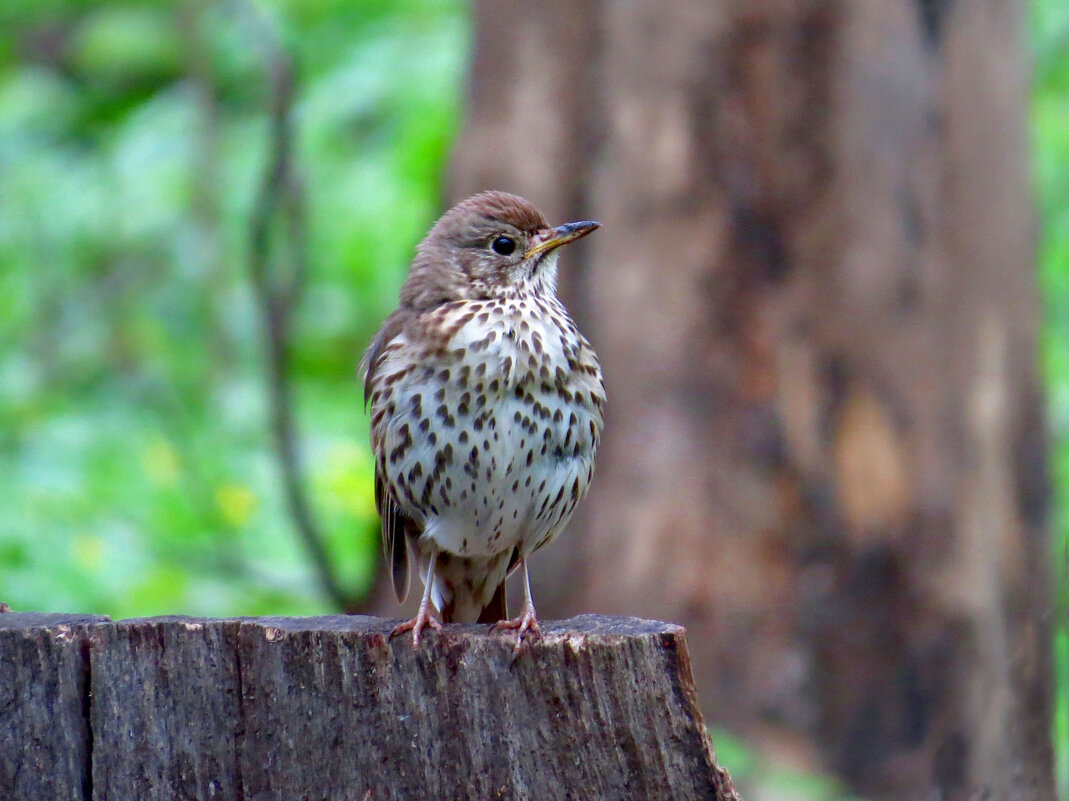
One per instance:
[(424, 618), (525, 623)]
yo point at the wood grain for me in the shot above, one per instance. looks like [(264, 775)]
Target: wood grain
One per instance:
[(331, 708), (44, 678)]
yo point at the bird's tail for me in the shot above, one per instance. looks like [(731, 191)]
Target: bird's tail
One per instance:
[(497, 609), (456, 611)]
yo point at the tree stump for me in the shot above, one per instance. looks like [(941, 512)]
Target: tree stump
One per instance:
[(265, 709)]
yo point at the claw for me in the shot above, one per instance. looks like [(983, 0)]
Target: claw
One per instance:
[(527, 622), (424, 618)]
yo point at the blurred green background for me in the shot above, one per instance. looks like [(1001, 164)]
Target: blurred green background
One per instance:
[(138, 471), (138, 474)]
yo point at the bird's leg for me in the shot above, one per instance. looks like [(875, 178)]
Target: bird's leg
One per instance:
[(527, 620), (425, 615)]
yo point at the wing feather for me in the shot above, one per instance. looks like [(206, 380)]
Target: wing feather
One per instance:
[(395, 528), (369, 363)]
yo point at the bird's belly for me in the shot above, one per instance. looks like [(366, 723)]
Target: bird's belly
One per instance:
[(490, 444), (504, 476)]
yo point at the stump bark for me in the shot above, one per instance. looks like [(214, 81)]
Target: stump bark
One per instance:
[(332, 708), (44, 695)]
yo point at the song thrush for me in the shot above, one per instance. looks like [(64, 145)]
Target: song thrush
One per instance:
[(486, 410)]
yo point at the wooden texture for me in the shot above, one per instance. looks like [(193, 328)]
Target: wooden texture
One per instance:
[(44, 681), (272, 709), (814, 302)]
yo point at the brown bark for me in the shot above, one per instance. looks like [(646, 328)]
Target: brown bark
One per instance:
[(332, 708), (44, 686), (814, 302)]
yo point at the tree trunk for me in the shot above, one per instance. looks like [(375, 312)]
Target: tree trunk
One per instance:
[(814, 302)]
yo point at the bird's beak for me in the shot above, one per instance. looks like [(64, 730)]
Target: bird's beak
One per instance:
[(561, 235)]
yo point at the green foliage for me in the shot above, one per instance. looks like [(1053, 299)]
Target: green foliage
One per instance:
[(138, 476)]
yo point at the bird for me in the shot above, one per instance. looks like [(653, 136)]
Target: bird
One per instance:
[(486, 407)]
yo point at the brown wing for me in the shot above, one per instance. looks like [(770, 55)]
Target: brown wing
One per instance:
[(369, 364), (396, 527), (395, 531)]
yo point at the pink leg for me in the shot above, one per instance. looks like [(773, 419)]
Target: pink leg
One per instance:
[(527, 621), (425, 615)]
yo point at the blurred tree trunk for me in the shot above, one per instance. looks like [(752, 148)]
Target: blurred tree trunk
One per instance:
[(815, 306)]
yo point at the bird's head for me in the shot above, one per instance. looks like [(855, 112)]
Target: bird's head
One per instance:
[(491, 245)]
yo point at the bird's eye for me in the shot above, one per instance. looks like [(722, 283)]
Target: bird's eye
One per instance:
[(503, 245)]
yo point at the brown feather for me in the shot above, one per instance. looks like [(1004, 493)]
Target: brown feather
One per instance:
[(497, 609), (369, 364), (493, 612), (395, 527)]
